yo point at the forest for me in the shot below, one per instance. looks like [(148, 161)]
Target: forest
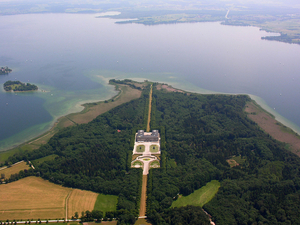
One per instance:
[(201, 133), (96, 156), (18, 86), (198, 134)]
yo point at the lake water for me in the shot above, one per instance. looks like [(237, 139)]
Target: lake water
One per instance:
[(72, 56)]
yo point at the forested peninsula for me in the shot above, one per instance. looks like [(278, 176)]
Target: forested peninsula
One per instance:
[(19, 86), (200, 134)]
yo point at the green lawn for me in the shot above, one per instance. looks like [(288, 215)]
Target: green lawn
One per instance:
[(155, 164), (137, 163), (106, 203), (5, 155), (153, 148), (44, 159), (199, 197), (140, 148)]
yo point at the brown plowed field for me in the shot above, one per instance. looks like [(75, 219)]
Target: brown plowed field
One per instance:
[(35, 198), (14, 169), (32, 198)]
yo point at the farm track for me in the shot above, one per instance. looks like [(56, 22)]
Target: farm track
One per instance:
[(67, 200)]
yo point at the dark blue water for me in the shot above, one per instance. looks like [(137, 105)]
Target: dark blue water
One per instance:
[(71, 55), (20, 112)]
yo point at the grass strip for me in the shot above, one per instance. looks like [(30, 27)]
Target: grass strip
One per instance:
[(199, 197)]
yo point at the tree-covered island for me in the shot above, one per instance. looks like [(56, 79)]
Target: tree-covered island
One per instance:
[(19, 86), (5, 70)]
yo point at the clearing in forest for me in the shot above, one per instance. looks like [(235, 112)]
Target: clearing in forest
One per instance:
[(106, 203), (39, 161), (35, 198), (199, 197)]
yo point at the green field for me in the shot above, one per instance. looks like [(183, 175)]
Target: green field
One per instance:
[(4, 155), (106, 203), (140, 148), (154, 148), (199, 197), (44, 159), (137, 163), (155, 164)]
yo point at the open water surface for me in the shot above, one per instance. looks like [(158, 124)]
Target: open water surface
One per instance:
[(71, 57)]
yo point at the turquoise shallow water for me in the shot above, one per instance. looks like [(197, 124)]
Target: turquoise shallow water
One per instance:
[(72, 56)]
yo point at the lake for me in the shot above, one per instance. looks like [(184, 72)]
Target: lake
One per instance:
[(72, 56)]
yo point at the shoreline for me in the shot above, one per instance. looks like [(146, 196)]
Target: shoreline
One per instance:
[(91, 110), (272, 123), (261, 102)]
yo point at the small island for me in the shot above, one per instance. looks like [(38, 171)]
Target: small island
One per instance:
[(19, 86), (4, 70)]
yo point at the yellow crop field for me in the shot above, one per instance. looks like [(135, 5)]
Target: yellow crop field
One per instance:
[(32, 198), (81, 201), (14, 169), (35, 198)]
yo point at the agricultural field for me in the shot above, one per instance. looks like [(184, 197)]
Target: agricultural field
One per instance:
[(106, 203), (81, 201), (32, 198), (199, 197), (35, 198), (14, 169)]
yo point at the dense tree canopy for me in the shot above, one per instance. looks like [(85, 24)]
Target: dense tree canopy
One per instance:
[(201, 133), (18, 86)]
